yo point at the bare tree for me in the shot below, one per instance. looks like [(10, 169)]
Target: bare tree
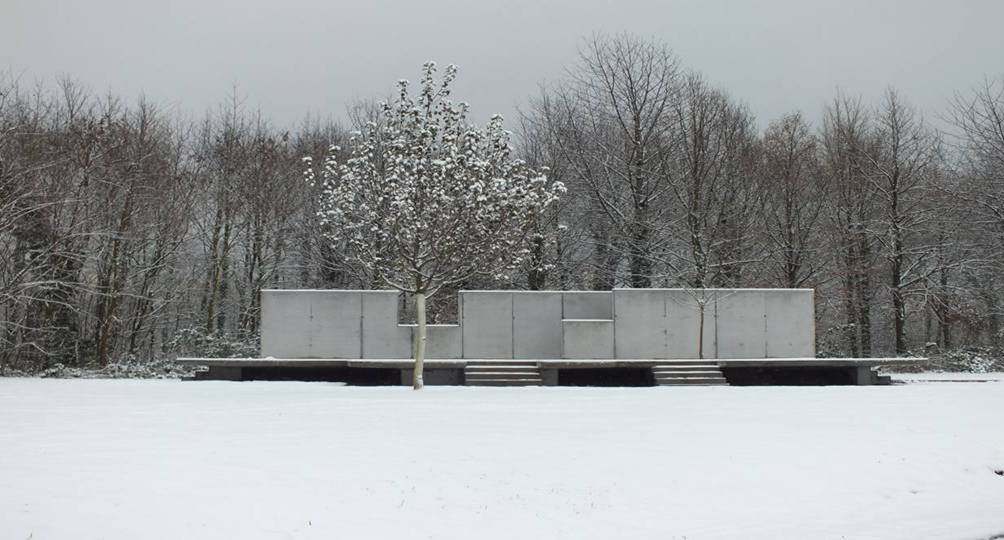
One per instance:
[(611, 122), (795, 193), (715, 187), (847, 143), (902, 172)]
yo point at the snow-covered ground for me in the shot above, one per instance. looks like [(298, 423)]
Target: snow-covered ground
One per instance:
[(127, 459), (949, 377)]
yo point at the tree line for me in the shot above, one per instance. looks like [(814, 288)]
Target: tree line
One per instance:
[(128, 231)]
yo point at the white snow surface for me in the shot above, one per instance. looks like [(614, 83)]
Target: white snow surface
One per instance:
[(127, 459), (948, 376)]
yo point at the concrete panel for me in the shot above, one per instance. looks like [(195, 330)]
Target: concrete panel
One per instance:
[(486, 318), (742, 324), (791, 324), (587, 339), (549, 377), (382, 336), (284, 321), (587, 305), (536, 325), (311, 324), (640, 323), (443, 341), (683, 323), (864, 376)]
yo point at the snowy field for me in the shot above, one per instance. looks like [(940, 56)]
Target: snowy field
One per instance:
[(948, 377), (128, 459)]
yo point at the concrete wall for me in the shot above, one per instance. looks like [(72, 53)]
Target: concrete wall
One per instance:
[(486, 321), (587, 339), (311, 324), (691, 323), (536, 325), (586, 305), (623, 323), (791, 324), (741, 324), (382, 336), (640, 329)]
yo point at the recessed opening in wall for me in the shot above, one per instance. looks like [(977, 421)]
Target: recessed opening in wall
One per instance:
[(440, 308), (605, 377)]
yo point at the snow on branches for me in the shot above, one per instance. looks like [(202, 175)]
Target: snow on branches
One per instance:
[(427, 199)]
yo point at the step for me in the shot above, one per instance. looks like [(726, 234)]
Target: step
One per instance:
[(505, 378), (523, 367), (662, 373), (505, 382), (686, 366), (510, 374), (689, 361), (501, 363), (669, 381)]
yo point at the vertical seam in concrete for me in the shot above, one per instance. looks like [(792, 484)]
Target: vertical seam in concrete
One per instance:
[(613, 324), (812, 303), (512, 325), (460, 322), (716, 327), (763, 300), (310, 319), (665, 325)]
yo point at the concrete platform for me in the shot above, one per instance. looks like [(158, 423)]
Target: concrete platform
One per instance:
[(738, 371), (548, 363)]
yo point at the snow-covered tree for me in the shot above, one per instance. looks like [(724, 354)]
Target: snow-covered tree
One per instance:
[(427, 200)]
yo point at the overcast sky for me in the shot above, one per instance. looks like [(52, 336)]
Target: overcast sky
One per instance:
[(293, 57)]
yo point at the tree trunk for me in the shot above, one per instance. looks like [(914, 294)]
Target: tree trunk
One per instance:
[(640, 264), (944, 311), (607, 259), (899, 314), (418, 381), (850, 305), (537, 277), (864, 296)]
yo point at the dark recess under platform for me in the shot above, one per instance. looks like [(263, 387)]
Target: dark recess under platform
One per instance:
[(347, 375), (789, 376), (605, 377), (561, 372)]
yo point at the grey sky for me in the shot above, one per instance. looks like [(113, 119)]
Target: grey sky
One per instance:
[(289, 58)]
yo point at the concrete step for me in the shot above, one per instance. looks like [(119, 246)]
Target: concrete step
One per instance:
[(710, 381), (691, 362), (504, 374), (481, 368), (501, 361), (674, 373), (685, 366), (506, 378), (504, 382)]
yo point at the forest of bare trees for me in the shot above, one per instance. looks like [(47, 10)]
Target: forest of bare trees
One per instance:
[(130, 232)]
